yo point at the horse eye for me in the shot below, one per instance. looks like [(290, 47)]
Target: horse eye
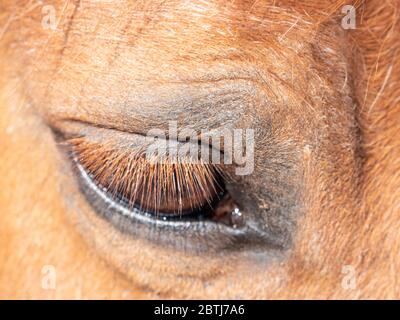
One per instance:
[(186, 204), (163, 191)]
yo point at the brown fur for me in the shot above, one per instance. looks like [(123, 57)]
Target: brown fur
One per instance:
[(340, 109)]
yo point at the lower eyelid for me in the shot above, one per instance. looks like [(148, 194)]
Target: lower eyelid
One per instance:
[(200, 236), (136, 220)]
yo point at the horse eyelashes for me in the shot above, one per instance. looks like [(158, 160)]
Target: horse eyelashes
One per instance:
[(167, 189)]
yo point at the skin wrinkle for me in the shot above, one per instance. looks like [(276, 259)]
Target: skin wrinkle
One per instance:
[(327, 131), (69, 27), (66, 35)]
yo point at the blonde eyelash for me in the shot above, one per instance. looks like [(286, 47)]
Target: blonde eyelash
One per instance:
[(140, 180)]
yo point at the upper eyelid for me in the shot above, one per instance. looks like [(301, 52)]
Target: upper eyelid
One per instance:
[(197, 107)]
